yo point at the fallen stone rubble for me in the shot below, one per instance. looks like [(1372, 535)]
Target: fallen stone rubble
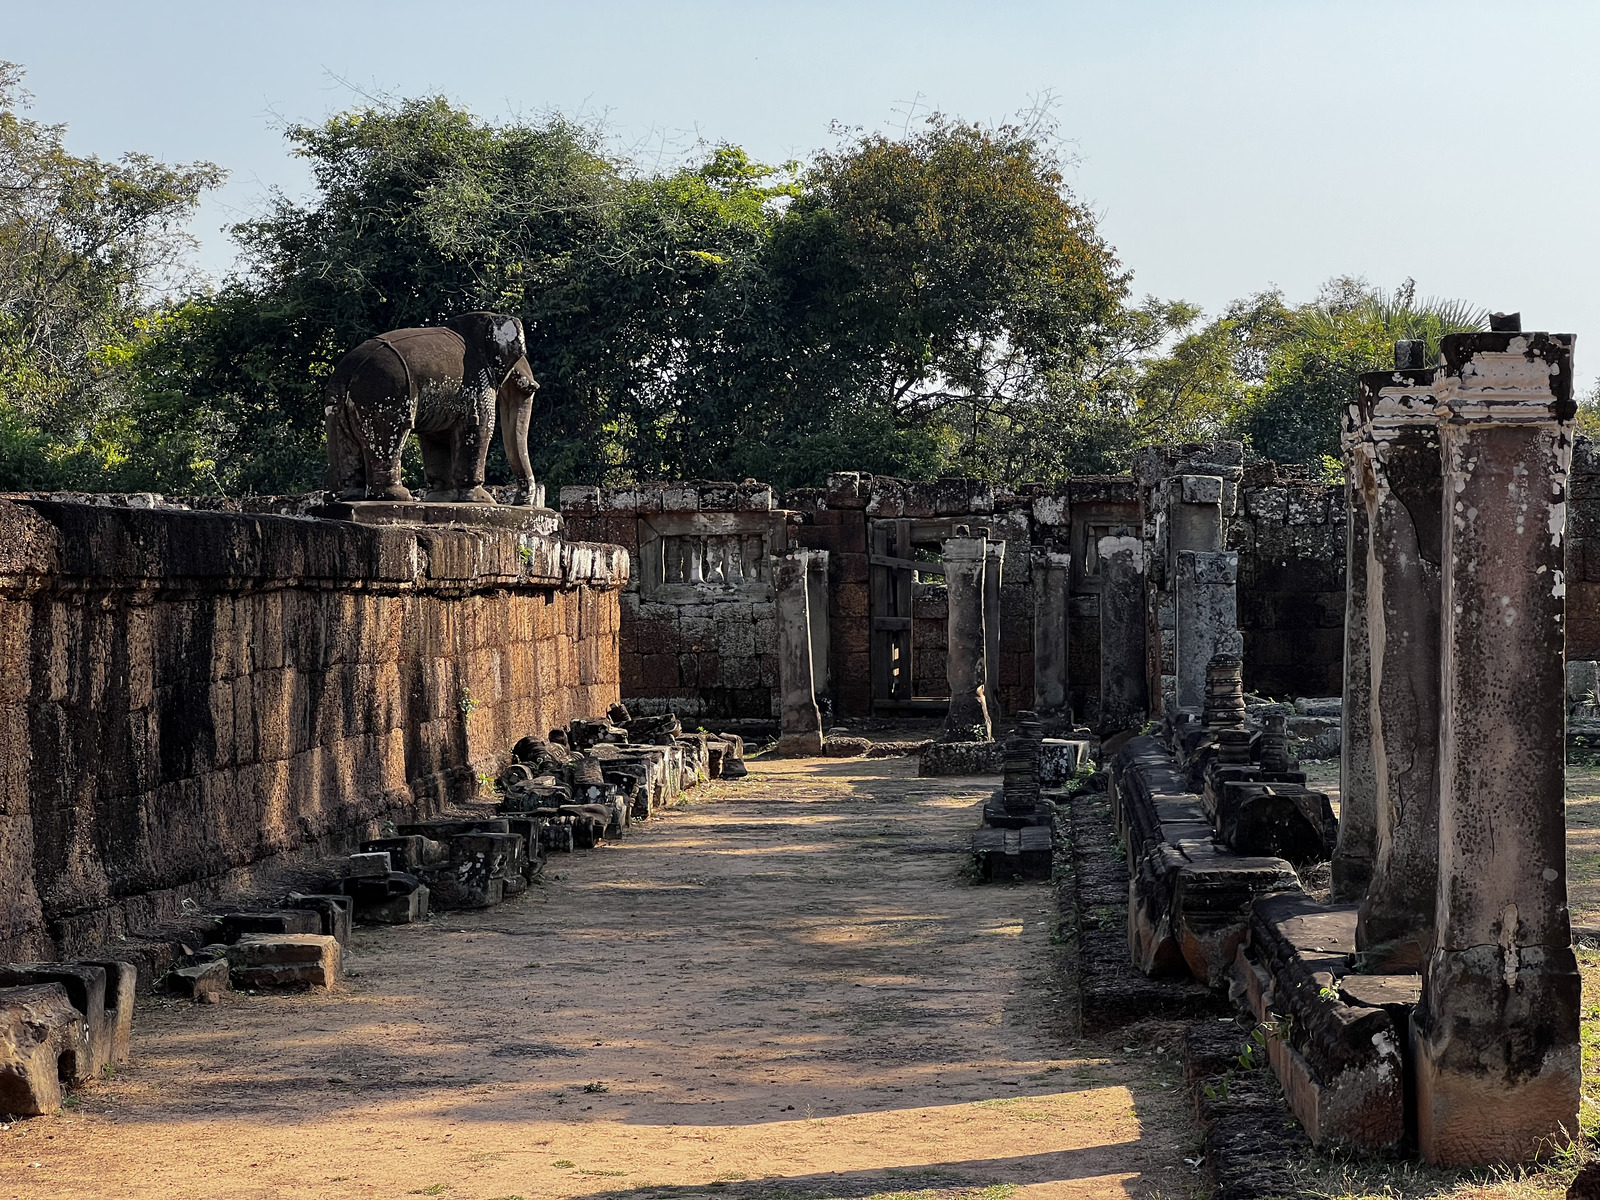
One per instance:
[(63, 1024)]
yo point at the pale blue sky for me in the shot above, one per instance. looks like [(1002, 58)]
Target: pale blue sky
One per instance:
[(1228, 146)]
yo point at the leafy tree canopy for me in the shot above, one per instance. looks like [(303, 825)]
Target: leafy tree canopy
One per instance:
[(85, 246), (927, 304)]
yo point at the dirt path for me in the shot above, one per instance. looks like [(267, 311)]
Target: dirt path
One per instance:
[(785, 989)]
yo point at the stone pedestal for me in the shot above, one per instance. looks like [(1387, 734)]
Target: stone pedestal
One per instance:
[(1124, 702), (965, 663), (1358, 786), (994, 555), (799, 720), (1399, 479), (1496, 1033), (1207, 618), (1051, 580)]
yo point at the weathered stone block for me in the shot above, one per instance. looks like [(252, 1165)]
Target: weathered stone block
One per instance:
[(1340, 1059), (287, 961), (1200, 489), (122, 980), (1267, 503), (408, 853), (42, 1041), (475, 875), (1278, 820), (1011, 854), (236, 925), (1060, 760), (960, 758), (335, 912), (1211, 899), (367, 865), (202, 982), (85, 986)]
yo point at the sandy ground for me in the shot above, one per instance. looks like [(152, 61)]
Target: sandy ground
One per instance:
[(1583, 845), (788, 988)]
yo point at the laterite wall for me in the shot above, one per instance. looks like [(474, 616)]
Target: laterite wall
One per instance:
[(188, 696)]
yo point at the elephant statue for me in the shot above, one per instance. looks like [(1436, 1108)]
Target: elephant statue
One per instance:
[(448, 383)]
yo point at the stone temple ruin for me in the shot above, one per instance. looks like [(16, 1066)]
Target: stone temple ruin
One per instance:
[(231, 728), (1432, 999)]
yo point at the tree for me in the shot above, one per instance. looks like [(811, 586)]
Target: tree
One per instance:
[(937, 287), (1293, 414), (889, 308), (86, 248)]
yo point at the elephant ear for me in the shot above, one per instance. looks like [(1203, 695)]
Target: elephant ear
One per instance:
[(494, 344)]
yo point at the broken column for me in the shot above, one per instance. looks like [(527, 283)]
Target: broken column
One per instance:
[(965, 663), (1123, 699), (1398, 478), (1203, 577), (1051, 582), (1358, 788), (994, 554), (1496, 1033), (1184, 493), (799, 719), (1207, 617)]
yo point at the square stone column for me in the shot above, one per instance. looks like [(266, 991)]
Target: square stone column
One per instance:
[(1399, 479), (965, 560), (1207, 619), (1496, 1033), (1358, 784), (1192, 519), (1124, 702), (799, 720), (993, 564), (1051, 583)]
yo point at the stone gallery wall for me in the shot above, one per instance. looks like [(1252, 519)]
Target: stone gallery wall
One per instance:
[(842, 517), (699, 627), (187, 697), (1290, 534)]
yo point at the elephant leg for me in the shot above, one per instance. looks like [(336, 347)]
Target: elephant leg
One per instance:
[(386, 434), (346, 476), (471, 447), (515, 406), (436, 459)]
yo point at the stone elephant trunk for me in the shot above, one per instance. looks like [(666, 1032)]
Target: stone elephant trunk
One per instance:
[(448, 384)]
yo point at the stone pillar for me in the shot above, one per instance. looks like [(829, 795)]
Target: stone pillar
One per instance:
[(799, 721), (817, 611), (965, 661), (1496, 1033), (1124, 703), (1051, 586), (993, 561), (1207, 615), (1193, 510), (1358, 786), (1399, 481)]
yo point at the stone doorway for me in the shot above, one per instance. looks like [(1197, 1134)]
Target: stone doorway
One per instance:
[(909, 613)]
